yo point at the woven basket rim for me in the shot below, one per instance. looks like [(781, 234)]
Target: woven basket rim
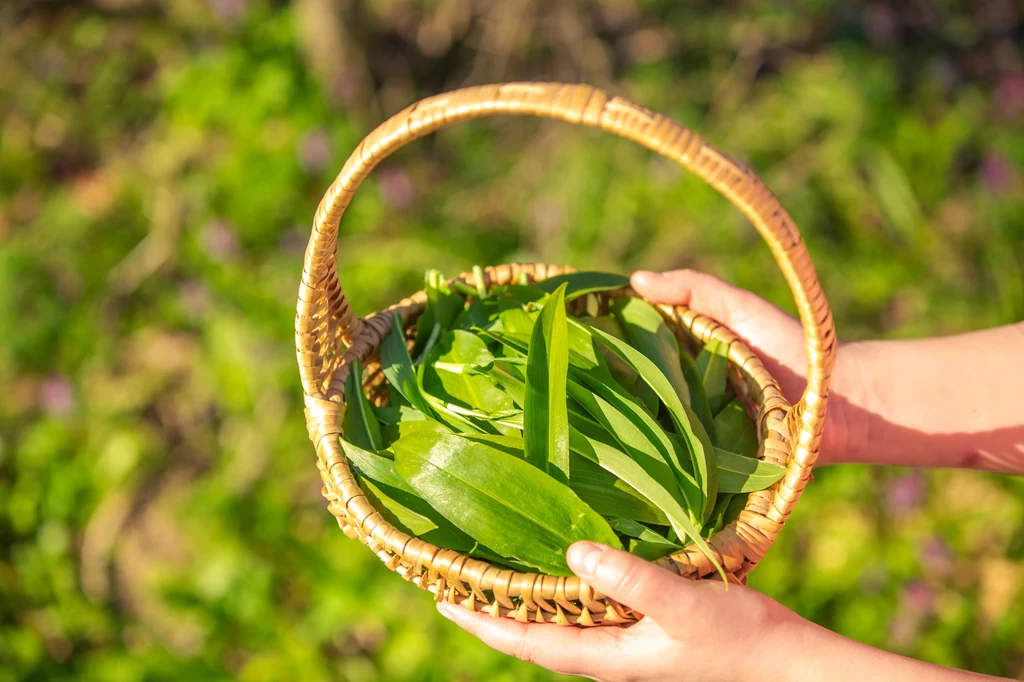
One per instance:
[(328, 333), (747, 372)]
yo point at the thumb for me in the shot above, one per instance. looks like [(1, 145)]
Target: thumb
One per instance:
[(624, 577), (705, 294), (768, 330)]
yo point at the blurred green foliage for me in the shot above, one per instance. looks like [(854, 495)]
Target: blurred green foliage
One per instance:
[(160, 514)]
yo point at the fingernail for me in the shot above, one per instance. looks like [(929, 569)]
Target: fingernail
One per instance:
[(584, 557), (445, 609), (647, 274)]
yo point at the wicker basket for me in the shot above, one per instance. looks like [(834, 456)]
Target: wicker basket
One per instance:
[(328, 336)]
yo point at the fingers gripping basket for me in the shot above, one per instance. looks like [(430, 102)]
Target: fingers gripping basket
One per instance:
[(328, 336)]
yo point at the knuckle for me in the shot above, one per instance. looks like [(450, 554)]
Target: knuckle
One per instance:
[(628, 582)]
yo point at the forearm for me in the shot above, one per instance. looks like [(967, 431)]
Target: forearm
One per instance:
[(804, 651), (946, 402)]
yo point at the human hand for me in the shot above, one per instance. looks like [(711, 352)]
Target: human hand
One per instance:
[(775, 336), (693, 630)]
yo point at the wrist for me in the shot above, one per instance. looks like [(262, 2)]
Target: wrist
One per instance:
[(846, 428), (791, 649)]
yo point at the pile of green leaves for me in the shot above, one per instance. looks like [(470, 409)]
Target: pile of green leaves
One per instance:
[(514, 429)]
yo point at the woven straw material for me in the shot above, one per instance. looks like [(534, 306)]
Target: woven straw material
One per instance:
[(328, 336)]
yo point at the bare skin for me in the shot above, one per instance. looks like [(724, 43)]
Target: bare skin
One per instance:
[(952, 402)]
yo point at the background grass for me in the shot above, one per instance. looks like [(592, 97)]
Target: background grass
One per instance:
[(160, 515)]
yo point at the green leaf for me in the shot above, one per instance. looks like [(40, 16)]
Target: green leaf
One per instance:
[(623, 466), (698, 396), (732, 511), (605, 493), (651, 551), (518, 295), (393, 414), (477, 314), (499, 500), (639, 435), (609, 495), (634, 529), (583, 283), (686, 422), (713, 365), (397, 366), (456, 370), (398, 503), (646, 331), (719, 403), (620, 371), (393, 432), (580, 356), (360, 423), (547, 365), (453, 416), (739, 474), (443, 306), (516, 322), (736, 431)]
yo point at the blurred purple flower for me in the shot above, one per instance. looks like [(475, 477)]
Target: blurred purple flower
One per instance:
[(294, 240), (314, 151), (903, 630), (918, 597), (905, 494), (996, 172), (346, 84), (219, 241), (917, 602), (228, 10), (396, 187), (56, 395), (195, 298), (1009, 98), (944, 71), (937, 558), (874, 579), (880, 24)]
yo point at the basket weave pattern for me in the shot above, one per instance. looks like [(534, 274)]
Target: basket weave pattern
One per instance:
[(329, 336)]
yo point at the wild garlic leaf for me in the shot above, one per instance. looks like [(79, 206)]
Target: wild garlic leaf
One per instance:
[(736, 431), (698, 396), (397, 366), (486, 492), (713, 365), (443, 306), (638, 436), (687, 424), (477, 314), (626, 468), (545, 413), (360, 423), (399, 503), (602, 491), (583, 283), (456, 371), (634, 529), (646, 331), (739, 474), (517, 326), (620, 371), (518, 295), (393, 414), (609, 495), (651, 551)]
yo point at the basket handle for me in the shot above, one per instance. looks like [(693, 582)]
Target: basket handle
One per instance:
[(325, 324)]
